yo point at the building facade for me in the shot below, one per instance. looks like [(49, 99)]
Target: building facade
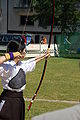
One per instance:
[(15, 17)]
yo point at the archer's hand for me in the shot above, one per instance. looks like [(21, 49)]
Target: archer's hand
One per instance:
[(12, 55), (48, 52)]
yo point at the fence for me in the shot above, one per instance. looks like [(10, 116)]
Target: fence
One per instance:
[(33, 50), (69, 46), (66, 46), (39, 49)]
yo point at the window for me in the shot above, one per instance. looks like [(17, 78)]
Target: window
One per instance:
[(37, 38), (28, 22), (24, 3)]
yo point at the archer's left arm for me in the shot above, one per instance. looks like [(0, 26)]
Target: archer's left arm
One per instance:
[(41, 57)]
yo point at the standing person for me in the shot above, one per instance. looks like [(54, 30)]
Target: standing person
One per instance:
[(32, 41), (43, 40), (13, 75)]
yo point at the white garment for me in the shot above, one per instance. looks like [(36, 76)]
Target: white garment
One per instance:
[(9, 69)]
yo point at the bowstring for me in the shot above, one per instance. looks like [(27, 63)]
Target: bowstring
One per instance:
[(27, 16), (24, 29)]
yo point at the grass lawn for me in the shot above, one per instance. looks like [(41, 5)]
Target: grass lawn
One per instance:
[(61, 82)]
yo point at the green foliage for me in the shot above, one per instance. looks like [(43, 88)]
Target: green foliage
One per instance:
[(44, 10), (67, 15)]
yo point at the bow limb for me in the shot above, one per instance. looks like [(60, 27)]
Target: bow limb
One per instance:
[(44, 69)]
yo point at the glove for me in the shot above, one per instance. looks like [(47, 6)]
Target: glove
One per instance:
[(12, 55)]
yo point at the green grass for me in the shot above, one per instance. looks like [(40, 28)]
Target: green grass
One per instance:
[(61, 82), (43, 107)]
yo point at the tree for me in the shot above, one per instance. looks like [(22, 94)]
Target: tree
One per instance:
[(67, 14)]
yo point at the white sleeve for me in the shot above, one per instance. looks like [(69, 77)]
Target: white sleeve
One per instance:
[(1, 70), (29, 65), (4, 70)]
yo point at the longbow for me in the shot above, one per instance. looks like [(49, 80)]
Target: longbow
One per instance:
[(45, 64)]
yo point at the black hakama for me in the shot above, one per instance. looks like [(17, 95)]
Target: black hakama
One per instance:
[(12, 105)]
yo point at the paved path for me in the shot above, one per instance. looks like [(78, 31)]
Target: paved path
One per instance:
[(58, 101)]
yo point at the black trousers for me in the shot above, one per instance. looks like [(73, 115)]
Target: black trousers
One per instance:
[(12, 106)]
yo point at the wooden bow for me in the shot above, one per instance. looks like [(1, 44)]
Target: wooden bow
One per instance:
[(44, 69)]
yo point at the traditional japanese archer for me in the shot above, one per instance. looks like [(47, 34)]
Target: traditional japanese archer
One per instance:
[(13, 76)]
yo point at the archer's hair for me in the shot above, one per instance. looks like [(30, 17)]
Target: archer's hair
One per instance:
[(15, 46)]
